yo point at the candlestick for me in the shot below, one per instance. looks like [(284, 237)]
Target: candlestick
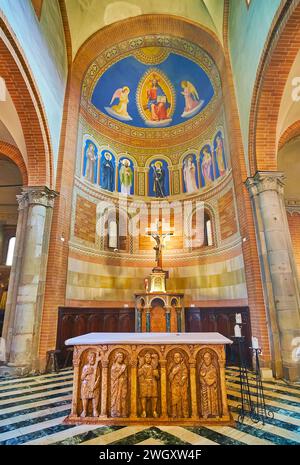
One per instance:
[(255, 343), (238, 318), (237, 331)]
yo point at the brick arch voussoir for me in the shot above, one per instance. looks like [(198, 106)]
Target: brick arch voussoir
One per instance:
[(14, 154), (280, 52), (20, 85)]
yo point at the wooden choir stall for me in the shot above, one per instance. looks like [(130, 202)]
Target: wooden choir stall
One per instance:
[(149, 378)]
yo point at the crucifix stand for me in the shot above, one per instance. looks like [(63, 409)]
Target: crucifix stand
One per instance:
[(157, 309)]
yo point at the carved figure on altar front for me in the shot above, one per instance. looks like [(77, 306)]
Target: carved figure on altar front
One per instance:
[(178, 379), (119, 386), (148, 376), (90, 385), (209, 402)]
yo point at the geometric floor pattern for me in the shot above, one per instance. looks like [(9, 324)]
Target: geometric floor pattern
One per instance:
[(32, 410)]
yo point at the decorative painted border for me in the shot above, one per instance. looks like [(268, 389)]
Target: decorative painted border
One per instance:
[(126, 48)]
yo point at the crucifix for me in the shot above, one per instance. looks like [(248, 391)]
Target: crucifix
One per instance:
[(159, 238)]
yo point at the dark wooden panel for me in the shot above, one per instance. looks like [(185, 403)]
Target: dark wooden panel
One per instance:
[(221, 320), (77, 321)]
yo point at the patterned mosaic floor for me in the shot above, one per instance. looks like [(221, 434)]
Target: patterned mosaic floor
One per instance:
[(32, 410)]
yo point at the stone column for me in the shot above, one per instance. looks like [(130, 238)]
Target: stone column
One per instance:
[(148, 320), (168, 320), (278, 270), (27, 280), (139, 320), (178, 315)]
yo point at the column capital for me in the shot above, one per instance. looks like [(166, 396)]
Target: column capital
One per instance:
[(265, 181), (36, 195)]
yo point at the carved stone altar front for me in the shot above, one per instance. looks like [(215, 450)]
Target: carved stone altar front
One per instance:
[(157, 383)]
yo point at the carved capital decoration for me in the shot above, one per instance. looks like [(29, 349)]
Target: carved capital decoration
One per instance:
[(36, 195), (264, 181)]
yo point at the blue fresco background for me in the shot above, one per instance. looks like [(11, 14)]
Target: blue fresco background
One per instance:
[(129, 72), (87, 143), (119, 167), (102, 160), (211, 168), (196, 172), (151, 192), (219, 133)]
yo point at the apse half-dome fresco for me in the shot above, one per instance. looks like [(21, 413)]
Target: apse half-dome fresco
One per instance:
[(153, 88)]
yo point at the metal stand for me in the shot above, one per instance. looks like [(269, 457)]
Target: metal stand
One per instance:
[(253, 407), (247, 407), (260, 410)]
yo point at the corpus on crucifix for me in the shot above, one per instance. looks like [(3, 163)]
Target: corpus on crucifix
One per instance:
[(159, 238)]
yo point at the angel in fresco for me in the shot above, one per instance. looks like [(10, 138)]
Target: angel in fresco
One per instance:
[(191, 97), (219, 155), (207, 167), (120, 109), (189, 174), (157, 101), (126, 177)]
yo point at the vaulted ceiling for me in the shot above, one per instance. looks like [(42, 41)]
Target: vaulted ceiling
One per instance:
[(88, 16)]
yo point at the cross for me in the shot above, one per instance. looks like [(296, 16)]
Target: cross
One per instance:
[(159, 238)]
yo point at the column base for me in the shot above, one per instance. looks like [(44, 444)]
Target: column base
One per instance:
[(266, 374), (13, 370), (291, 373)]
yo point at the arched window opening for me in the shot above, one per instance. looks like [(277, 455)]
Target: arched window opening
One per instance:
[(206, 239), (10, 251), (115, 240)]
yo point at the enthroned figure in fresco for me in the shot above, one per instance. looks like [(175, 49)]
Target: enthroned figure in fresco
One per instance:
[(107, 172), (90, 162), (219, 151), (157, 100), (90, 385), (189, 174), (207, 167), (126, 177)]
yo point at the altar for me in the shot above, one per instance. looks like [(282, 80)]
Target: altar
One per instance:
[(149, 378)]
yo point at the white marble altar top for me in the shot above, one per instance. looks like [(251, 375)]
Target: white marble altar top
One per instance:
[(148, 338)]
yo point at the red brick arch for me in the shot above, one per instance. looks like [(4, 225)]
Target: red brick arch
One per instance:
[(55, 292), (21, 87), (280, 52), (14, 154)]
